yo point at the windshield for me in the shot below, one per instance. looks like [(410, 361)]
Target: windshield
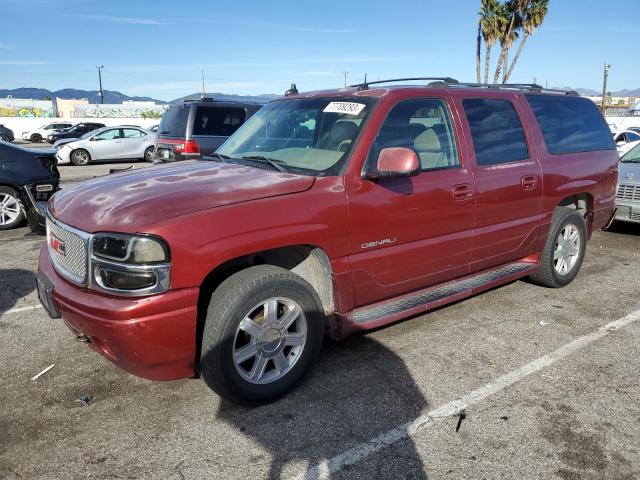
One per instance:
[(307, 135), (633, 155), (88, 134)]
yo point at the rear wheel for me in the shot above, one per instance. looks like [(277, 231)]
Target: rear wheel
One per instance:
[(35, 138), (11, 214), (564, 250), (148, 154), (80, 157), (264, 328), (5, 138)]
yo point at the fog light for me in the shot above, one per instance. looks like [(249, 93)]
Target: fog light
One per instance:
[(123, 279)]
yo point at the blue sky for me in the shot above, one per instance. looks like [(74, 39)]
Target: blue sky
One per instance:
[(158, 48)]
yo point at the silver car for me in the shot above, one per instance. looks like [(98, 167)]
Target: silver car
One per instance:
[(108, 143), (628, 195)]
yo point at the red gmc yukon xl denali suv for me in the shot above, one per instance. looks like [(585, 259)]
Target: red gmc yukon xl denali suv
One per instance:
[(328, 212)]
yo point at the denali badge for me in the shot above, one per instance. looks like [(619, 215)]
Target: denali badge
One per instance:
[(379, 243), (629, 175), (57, 245)]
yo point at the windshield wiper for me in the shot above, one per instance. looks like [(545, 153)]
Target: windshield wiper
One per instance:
[(270, 161), (219, 156)]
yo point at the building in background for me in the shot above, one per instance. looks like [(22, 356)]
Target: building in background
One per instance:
[(65, 107), (26, 108)]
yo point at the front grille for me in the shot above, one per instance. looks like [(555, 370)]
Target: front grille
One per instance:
[(634, 216), (72, 264), (628, 192)]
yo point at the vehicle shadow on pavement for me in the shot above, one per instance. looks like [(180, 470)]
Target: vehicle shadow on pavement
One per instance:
[(625, 228), (17, 283), (358, 390)]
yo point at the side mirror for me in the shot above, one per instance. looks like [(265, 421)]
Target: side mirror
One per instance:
[(395, 162)]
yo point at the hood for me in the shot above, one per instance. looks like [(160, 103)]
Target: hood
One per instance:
[(629, 173), (139, 199)]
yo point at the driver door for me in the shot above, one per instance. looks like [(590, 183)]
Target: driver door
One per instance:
[(107, 144), (409, 233)]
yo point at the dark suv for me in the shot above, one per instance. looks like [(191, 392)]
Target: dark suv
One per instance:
[(74, 132), (192, 129)]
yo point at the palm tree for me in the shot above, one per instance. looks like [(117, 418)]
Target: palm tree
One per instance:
[(478, 44), (490, 31), (532, 18), (510, 21)]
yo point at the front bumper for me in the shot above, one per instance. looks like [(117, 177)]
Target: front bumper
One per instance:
[(151, 337), (628, 211), (63, 156)]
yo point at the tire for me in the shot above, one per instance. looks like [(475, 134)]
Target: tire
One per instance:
[(5, 138), (11, 212), (550, 273), (35, 138), (240, 297), (148, 154), (80, 157)]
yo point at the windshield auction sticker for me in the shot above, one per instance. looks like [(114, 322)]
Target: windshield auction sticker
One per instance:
[(344, 107)]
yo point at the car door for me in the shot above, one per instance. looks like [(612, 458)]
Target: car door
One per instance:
[(134, 142), (107, 144), (212, 125), (409, 233), (508, 180)]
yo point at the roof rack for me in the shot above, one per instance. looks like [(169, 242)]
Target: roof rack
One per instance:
[(528, 87), (449, 82), (441, 80)]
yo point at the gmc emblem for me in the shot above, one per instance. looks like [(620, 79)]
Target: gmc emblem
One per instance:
[(57, 245)]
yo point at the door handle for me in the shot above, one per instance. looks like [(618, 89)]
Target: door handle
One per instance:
[(529, 182), (462, 192)]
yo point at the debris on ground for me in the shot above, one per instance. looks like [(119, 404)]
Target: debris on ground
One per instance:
[(83, 400), (35, 377), (543, 323), (461, 416)]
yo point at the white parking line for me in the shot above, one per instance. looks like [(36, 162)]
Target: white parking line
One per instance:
[(21, 309), (328, 467)]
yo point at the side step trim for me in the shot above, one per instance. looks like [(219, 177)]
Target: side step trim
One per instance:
[(370, 314)]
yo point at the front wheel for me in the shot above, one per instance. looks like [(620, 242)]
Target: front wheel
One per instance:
[(36, 138), (264, 328), (5, 138), (564, 249), (80, 157)]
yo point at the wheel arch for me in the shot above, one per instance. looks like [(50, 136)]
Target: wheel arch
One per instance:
[(582, 202), (308, 261)]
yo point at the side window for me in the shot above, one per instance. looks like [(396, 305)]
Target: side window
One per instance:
[(496, 131), (424, 126), (109, 134), (133, 133), (220, 121), (632, 137), (570, 124)]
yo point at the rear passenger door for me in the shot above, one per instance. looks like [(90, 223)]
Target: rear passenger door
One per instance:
[(508, 181), (133, 143), (412, 232), (213, 125)]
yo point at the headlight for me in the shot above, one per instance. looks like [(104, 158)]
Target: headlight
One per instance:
[(130, 264)]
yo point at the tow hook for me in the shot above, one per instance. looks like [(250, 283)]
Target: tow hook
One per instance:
[(82, 338)]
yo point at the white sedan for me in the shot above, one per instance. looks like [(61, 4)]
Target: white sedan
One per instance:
[(625, 140), (108, 143)]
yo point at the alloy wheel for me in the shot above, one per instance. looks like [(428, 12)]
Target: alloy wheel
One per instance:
[(567, 250), (9, 209), (269, 340)]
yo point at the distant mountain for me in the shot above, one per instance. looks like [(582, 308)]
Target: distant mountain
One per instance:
[(110, 96), (224, 97)]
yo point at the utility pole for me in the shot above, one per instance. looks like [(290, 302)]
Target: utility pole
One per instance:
[(604, 85), (100, 67), (345, 78), (204, 94), (535, 80)]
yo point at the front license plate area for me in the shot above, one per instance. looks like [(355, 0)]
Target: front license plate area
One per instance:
[(45, 295)]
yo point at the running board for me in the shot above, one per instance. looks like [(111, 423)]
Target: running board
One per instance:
[(406, 303)]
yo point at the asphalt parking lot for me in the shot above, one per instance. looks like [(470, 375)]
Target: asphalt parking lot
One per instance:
[(547, 392)]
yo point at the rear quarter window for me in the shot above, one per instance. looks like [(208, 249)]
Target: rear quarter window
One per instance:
[(570, 124), (174, 121), (218, 121)]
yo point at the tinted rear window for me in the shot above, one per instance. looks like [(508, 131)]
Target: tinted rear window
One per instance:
[(174, 121), (219, 121), (496, 131), (570, 124)]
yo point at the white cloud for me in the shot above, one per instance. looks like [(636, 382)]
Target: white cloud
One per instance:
[(6, 46), (130, 20), (24, 62)]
